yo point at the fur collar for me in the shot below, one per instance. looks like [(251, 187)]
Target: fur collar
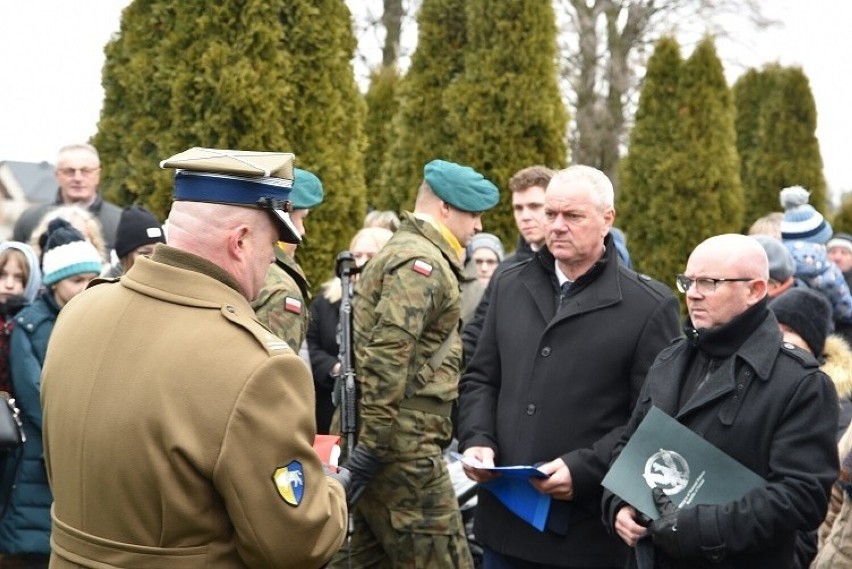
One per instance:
[(838, 364)]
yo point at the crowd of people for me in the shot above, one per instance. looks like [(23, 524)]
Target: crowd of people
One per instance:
[(171, 377)]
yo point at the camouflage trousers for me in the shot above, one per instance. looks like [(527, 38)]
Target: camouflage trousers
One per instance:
[(408, 517)]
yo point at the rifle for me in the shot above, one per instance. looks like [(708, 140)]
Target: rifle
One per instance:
[(344, 390), (345, 268)]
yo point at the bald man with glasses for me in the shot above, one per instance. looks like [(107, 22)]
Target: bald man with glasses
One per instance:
[(761, 400)]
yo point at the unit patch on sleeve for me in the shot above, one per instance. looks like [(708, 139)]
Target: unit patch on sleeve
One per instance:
[(422, 267), (293, 305), (290, 482)]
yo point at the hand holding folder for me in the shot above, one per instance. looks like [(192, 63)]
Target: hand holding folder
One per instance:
[(512, 487)]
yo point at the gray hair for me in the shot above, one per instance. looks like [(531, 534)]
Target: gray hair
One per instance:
[(600, 185)]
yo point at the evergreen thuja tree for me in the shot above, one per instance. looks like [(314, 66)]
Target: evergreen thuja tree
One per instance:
[(420, 130), (382, 105), (505, 109), (710, 194), (323, 119), (750, 91), (243, 74), (648, 173), (196, 75), (776, 138)]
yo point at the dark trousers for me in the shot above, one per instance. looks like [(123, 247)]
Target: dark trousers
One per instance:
[(493, 560), (32, 561)]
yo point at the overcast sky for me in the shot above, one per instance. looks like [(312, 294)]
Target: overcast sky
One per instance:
[(51, 55)]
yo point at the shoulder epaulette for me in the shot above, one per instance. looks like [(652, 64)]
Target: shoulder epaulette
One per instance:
[(804, 357), (270, 342)]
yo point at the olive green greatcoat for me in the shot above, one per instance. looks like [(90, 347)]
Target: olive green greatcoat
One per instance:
[(282, 305), (168, 412)]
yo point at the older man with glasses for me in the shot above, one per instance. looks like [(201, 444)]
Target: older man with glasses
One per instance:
[(78, 172), (761, 400)]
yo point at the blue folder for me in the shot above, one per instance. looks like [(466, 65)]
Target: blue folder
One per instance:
[(521, 498)]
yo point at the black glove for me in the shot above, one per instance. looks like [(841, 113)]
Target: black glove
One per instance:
[(664, 528), (362, 465), (342, 475)]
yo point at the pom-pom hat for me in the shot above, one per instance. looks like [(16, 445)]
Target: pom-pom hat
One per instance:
[(801, 221), (66, 254)]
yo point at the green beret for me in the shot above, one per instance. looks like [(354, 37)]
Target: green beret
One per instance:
[(460, 186), (307, 190)]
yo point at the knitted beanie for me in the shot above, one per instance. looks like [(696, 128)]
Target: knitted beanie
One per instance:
[(781, 263), (488, 241), (801, 221), (66, 253), (807, 313), (137, 227), (843, 240)]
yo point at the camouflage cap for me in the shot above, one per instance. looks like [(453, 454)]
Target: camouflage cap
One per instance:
[(237, 177), (307, 190), (460, 186)]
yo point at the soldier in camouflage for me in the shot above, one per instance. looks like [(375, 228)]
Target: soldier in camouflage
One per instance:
[(406, 313), (282, 305)]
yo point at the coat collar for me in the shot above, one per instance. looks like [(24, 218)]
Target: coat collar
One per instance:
[(539, 275), (758, 353), (412, 224)]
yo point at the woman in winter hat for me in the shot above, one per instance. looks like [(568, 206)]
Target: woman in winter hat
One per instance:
[(68, 263), (805, 232), (804, 317)]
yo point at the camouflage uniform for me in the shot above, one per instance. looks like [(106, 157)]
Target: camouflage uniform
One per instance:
[(282, 305), (408, 351)]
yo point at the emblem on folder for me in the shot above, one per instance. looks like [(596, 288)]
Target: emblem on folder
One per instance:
[(668, 471)]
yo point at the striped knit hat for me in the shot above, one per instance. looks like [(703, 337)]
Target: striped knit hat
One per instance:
[(65, 253), (801, 221)]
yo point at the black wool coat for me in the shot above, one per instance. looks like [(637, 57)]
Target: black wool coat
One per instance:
[(324, 350), (543, 385), (769, 407)]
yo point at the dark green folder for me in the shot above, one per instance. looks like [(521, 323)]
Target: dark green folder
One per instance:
[(691, 471)]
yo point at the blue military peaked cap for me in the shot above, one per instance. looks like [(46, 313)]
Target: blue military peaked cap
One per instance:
[(238, 177), (461, 186), (307, 190)]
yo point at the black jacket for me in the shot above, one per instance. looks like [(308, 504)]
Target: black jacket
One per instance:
[(541, 386), (769, 407), (324, 350)]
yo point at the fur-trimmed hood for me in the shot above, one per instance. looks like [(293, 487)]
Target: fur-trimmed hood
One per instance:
[(838, 364)]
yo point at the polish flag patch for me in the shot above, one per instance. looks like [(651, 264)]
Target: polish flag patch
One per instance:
[(293, 305), (422, 267)]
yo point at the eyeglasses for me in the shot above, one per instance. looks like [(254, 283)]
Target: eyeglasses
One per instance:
[(485, 261), (85, 172), (703, 285)]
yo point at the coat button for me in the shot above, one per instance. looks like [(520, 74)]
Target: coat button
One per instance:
[(545, 351), (530, 409), (230, 309)]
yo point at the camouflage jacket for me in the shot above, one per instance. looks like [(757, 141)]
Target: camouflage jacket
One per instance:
[(282, 305), (406, 306)]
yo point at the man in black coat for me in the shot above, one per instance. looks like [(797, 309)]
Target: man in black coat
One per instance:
[(761, 400), (556, 374)]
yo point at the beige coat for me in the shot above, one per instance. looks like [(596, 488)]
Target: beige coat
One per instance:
[(835, 534), (178, 430)]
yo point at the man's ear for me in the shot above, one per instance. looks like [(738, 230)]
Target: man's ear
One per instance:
[(237, 242), (758, 289)]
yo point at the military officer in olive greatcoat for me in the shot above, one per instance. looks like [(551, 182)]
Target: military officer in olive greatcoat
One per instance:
[(178, 430)]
